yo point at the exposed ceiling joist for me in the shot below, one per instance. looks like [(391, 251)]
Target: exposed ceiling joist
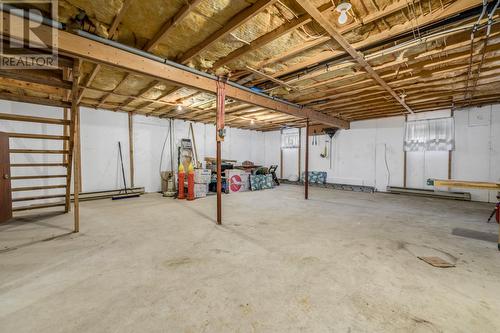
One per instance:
[(172, 22), (111, 33), (233, 23), (90, 50), (318, 17), (453, 9), (269, 37), (118, 18)]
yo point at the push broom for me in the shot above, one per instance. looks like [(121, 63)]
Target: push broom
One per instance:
[(128, 193)]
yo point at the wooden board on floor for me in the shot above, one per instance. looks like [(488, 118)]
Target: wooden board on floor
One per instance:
[(437, 262)]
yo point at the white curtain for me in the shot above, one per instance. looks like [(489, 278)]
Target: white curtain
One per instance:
[(430, 135)]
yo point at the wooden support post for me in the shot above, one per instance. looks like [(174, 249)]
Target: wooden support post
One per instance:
[(281, 154), (79, 150), (220, 133), (77, 176), (404, 159), (299, 151), (131, 147), (74, 151), (306, 179), (450, 155)]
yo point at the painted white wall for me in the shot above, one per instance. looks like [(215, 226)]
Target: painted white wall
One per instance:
[(360, 153), (370, 153), (100, 133)]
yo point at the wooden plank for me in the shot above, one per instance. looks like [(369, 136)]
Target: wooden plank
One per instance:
[(18, 117), (466, 184), (37, 136), (37, 151), (172, 22), (37, 188), (332, 31), (32, 100), (40, 206), (38, 177), (77, 46), (232, 24), (37, 165), (40, 197), (38, 78)]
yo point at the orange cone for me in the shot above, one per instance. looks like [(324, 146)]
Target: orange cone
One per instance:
[(180, 188), (190, 182)]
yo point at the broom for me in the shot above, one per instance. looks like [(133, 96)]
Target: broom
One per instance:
[(126, 195)]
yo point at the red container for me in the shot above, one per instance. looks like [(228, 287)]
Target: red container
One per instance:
[(190, 183), (180, 187)]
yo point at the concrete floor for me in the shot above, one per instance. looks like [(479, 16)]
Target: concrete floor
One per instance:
[(340, 262)]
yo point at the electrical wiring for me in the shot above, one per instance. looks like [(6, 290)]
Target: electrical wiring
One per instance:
[(163, 149)]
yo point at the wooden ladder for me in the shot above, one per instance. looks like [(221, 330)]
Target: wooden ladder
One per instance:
[(70, 157)]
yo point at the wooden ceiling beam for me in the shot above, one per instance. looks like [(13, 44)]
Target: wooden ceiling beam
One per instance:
[(109, 94), (452, 9), (268, 37), (38, 77), (33, 100), (318, 17), (141, 93), (370, 18), (237, 20), (90, 50), (171, 23), (111, 33), (118, 18), (28, 85)]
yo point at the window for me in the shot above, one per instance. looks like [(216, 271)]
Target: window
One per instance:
[(430, 135), (290, 138)]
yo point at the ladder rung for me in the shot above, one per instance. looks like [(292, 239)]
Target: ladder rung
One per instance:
[(37, 151), (39, 165), (41, 197), (38, 136), (31, 119), (47, 205), (36, 188), (37, 177)]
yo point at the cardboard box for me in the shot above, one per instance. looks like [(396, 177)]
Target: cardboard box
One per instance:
[(239, 180), (200, 190), (202, 176)]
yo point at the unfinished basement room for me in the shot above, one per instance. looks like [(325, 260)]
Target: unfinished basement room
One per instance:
[(250, 166)]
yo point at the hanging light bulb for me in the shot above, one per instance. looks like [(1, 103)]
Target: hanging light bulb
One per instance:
[(252, 122), (343, 7), (343, 18), (178, 108)]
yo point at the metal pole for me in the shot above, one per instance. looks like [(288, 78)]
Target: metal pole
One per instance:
[(306, 179), (220, 132)]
